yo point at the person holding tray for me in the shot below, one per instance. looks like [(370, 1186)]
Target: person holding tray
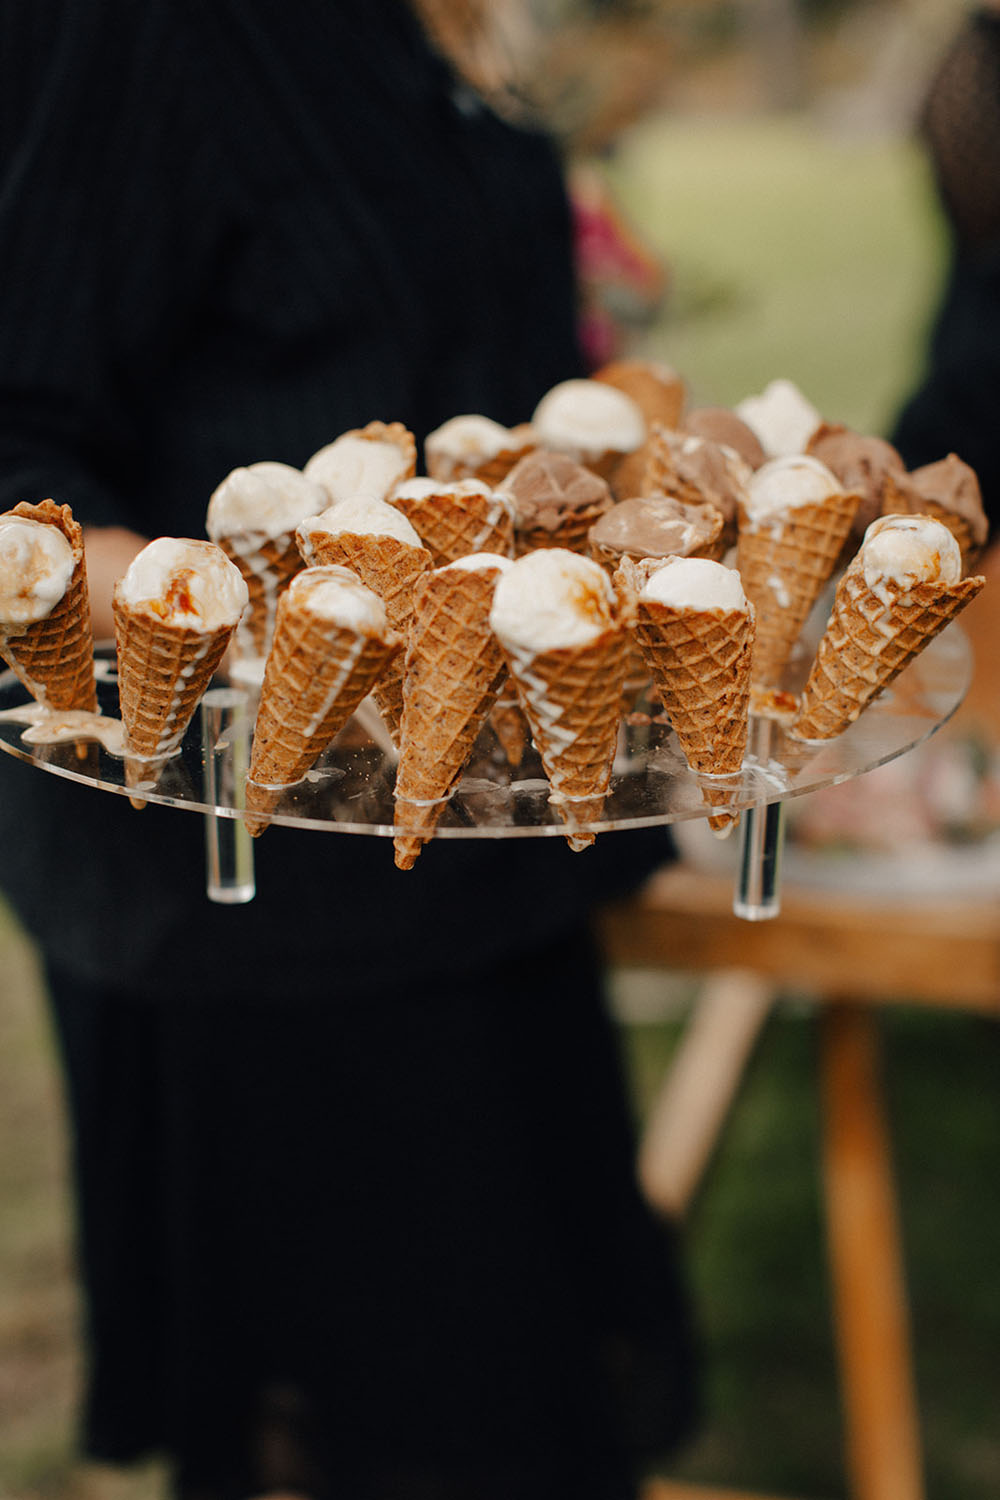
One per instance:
[(357, 1211)]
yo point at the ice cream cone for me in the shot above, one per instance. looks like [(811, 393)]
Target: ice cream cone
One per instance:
[(454, 668), (267, 572), (319, 669), (572, 533), (456, 519), (784, 565), (562, 627), (657, 390), (252, 516), (509, 724), (555, 501), (54, 655), (390, 568), (659, 393), (871, 636), (367, 460), (162, 673), (169, 644), (591, 421), (571, 697), (700, 662), (475, 447)]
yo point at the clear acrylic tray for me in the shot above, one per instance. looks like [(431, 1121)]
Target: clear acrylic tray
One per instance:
[(350, 790)]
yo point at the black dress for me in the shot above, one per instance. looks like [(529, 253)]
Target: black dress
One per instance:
[(953, 408), (357, 1155)]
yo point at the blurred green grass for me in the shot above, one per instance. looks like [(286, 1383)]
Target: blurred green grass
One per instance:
[(757, 1256), (793, 251)]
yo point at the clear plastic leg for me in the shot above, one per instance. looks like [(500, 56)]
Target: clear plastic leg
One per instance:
[(225, 725), (758, 888), (762, 836)]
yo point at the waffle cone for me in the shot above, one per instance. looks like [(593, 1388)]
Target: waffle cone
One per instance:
[(660, 472), (390, 568), (629, 476), (783, 568), (491, 468), (268, 567), (658, 392), (454, 668), (571, 698), (453, 525), (700, 662), (163, 670), (663, 473), (494, 470), (509, 725), (316, 675), (54, 657), (867, 643), (571, 533)]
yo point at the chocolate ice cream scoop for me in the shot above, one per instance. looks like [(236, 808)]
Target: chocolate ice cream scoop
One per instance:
[(720, 425), (555, 501), (698, 471), (656, 526), (861, 464)]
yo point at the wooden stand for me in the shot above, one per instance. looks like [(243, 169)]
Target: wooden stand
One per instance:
[(854, 955)]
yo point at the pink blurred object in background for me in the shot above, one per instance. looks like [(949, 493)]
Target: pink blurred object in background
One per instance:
[(622, 282)]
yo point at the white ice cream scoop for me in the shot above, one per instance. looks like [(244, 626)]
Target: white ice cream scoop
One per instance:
[(185, 583), (781, 416), (551, 599), (338, 595), (265, 499), (36, 565), (695, 583), (907, 550)]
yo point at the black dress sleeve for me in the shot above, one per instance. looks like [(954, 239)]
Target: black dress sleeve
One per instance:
[(953, 406), (106, 231)]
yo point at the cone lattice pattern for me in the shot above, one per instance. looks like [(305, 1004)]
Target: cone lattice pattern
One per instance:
[(571, 534), (867, 643), (316, 675), (700, 662), (268, 570), (455, 525), (390, 568), (572, 701), (510, 726), (54, 657), (454, 667), (492, 470), (163, 671), (784, 567)]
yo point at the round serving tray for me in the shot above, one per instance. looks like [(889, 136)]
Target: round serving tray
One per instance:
[(350, 790)]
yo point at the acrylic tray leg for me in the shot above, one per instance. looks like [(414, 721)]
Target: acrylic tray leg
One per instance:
[(758, 885), (762, 836), (225, 726)]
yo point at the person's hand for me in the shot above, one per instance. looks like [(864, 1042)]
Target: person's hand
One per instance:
[(109, 551)]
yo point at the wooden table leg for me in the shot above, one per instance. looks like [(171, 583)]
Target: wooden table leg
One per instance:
[(870, 1310)]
